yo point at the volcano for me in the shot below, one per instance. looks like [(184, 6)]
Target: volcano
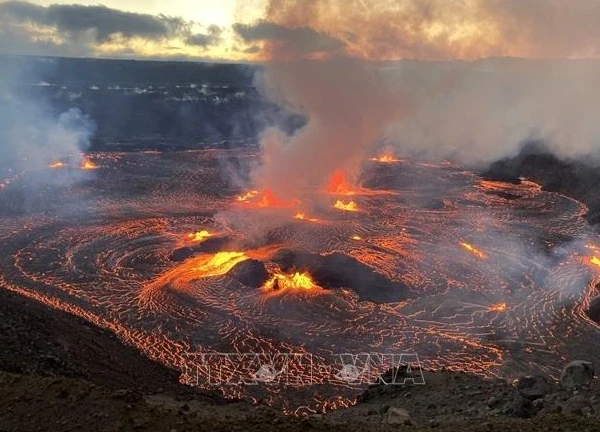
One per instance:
[(431, 261)]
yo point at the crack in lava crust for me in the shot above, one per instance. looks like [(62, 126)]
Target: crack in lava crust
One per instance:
[(104, 250)]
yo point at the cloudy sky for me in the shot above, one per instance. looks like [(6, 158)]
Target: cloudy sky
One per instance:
[(259, 30)]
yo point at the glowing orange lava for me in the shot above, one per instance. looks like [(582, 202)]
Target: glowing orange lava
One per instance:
[(296, 281), (338, 184), (386, 158), (595, 260), (87, 164), (247, 196), (220, 263), (498, 307), (57, 165), (265, 199), (474, 251), (349, 206), (302, 216), (356, 237), (199, 236), (268, 199)]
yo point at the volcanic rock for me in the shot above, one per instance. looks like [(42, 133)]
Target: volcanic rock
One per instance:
[(397, 416), (340, 271), (181, 254), (577, 374), (593, 310), (578, 405), (520, 406), (533, 387), (577, 179), (251, 273), (213, 245)]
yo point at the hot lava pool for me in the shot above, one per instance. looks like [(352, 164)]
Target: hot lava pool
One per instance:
[(165, 251)]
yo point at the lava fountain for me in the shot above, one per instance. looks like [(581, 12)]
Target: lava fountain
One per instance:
[(247, 196), (338, 185), (350, 206), (386, 158), (199, 236), (294, 281), (87, 164)]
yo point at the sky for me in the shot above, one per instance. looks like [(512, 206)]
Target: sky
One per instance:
[(219, 12), (260, 30)]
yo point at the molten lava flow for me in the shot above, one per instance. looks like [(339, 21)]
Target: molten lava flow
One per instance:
[(595, 260), (265, 200), (386, 158), (268, 199), (350, 206), (474, 251), (296, 281), (247, 196), (57, 165), (221, 263), (87, 164), (199, 236), (302, 216), (356, 237), (338, 184), (498, 307)]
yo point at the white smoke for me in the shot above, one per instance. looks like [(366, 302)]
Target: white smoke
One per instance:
[(32, 133)]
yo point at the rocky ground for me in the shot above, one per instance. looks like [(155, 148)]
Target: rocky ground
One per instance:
[(60, 373)]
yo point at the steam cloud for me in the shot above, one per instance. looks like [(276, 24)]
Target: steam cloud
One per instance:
[(32, 134)]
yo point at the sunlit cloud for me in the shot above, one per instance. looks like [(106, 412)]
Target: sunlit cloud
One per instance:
[(262, 30)]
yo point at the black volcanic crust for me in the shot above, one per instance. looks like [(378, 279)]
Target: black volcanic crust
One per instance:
[(251, 273), (39, 340), (340, 271), (211, 245), (575, 178)]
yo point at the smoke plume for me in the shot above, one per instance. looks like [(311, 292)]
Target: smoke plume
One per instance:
[(347, 106), (32, 133), (473, 112)]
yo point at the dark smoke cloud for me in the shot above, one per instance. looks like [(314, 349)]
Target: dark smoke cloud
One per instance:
[(79, 31), (104, 22), (283, 40), (449, 29), (212, 37)]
